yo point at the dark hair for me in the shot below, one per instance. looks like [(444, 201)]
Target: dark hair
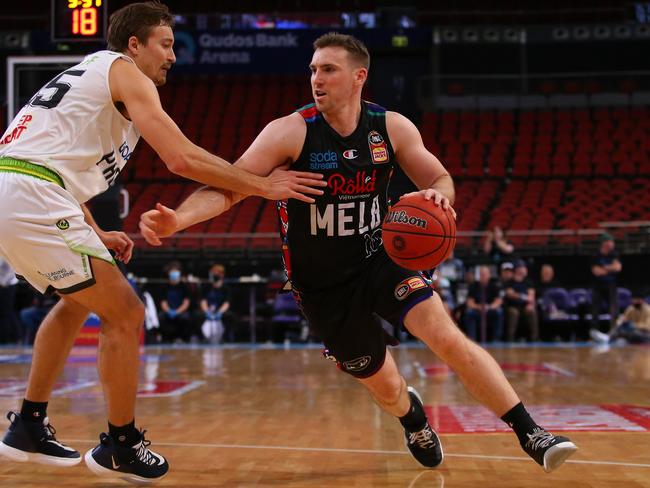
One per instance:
[(137, 19), (356, 49)]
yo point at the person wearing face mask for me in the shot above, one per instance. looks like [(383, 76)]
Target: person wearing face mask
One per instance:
[(214, 303), (633, 326), (175, 304)]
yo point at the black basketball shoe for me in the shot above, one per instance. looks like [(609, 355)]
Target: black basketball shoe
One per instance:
[(137, 464), (424, 444), (547, 450), (35, 441)]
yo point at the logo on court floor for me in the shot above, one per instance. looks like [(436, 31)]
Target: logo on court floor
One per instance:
[(63, 224), (358, 364)]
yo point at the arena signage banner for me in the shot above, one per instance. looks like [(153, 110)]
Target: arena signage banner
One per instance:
[(272, 51)]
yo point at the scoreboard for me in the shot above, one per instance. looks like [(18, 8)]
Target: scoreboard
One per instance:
[(79, 20)]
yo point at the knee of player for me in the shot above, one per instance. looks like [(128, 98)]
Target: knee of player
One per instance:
[(127, 315), (388, 392)]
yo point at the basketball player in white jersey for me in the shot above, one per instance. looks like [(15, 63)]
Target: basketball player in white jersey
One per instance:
[(65, 146)]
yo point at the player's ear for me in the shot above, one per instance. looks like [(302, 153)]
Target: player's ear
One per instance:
[(133, 44), (361, 75)]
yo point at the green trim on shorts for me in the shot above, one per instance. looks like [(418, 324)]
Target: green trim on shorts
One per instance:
[(90, 251), (11, 165)]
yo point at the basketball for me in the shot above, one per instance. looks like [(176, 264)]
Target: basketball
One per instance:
[(418, 234)]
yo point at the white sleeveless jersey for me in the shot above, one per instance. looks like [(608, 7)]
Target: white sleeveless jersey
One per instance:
[(72, 127)]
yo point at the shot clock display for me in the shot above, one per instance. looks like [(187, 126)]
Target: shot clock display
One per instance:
[(79, 20)]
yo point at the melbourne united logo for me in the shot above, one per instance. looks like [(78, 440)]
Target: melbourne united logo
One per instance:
[(358, 364), (402, 217), (63, 224)]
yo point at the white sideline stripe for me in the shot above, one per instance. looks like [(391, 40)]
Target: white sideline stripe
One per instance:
[(366, 451)]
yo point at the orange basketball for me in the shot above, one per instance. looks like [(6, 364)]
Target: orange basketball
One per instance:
[(418, 234)]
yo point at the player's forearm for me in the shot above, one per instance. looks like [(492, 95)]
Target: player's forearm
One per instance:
[(213, 171), (204, 204), (445, 185)]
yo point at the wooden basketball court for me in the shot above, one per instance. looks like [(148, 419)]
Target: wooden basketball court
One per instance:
[(242, 417)]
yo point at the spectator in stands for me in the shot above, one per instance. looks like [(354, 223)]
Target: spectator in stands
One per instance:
[(9, 325), (546, 280), (497, 246), (215, 302), (633, 326), (175, 321), (450, 273), (32, 316), (506, 273), (605, 268), (483, 308), (520, 304), (546, 309)]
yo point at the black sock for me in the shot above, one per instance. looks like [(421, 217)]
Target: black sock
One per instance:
[(125, 435), (33, 411), (415, 419), (520, 421)]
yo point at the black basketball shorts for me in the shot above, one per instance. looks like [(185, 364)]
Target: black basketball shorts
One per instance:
[(348, 318)]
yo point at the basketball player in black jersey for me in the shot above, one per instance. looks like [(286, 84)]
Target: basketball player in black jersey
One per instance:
[(334, 255)]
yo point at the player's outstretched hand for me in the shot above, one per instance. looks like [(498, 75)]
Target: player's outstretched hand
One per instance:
[(119, 243), (294, 184), (158, 223), (438, 198)]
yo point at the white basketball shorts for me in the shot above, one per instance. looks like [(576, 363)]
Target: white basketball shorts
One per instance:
[(43, 235)]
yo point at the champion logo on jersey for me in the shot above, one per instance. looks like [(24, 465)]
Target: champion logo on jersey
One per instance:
[(351, 154)]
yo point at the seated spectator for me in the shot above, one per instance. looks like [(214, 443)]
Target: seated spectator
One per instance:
[(215, 301), (633, 326), (546, 280), (449, 274), (506, 272), (483, 308), (175, 322), (520, 304), (497, 246), (546, 310), (32, 316)]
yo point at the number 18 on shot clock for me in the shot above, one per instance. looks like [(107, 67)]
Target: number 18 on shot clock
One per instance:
[(79, 20)]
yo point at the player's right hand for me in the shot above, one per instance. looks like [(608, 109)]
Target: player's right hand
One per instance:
[(158, 223), (294, 184)]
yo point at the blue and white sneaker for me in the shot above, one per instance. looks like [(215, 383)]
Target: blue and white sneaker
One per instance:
[(137, 464), (35, 441)]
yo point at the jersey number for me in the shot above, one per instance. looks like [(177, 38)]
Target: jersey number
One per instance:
[(60, 88)]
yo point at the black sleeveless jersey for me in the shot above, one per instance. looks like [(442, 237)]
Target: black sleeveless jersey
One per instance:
[(331, 241)]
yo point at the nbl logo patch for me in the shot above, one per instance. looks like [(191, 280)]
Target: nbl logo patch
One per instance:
[(378, 148), (408, 286)]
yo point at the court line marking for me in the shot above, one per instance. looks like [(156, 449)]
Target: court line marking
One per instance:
[(367, 451)]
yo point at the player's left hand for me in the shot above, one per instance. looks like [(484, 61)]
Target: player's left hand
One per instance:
[(119, 243), (438, 198)]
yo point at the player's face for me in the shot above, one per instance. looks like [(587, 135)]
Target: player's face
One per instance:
[(157, 56), (333, 78)]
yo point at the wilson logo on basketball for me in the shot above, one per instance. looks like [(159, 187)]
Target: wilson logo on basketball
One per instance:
[(361, 183), (402, 217)]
